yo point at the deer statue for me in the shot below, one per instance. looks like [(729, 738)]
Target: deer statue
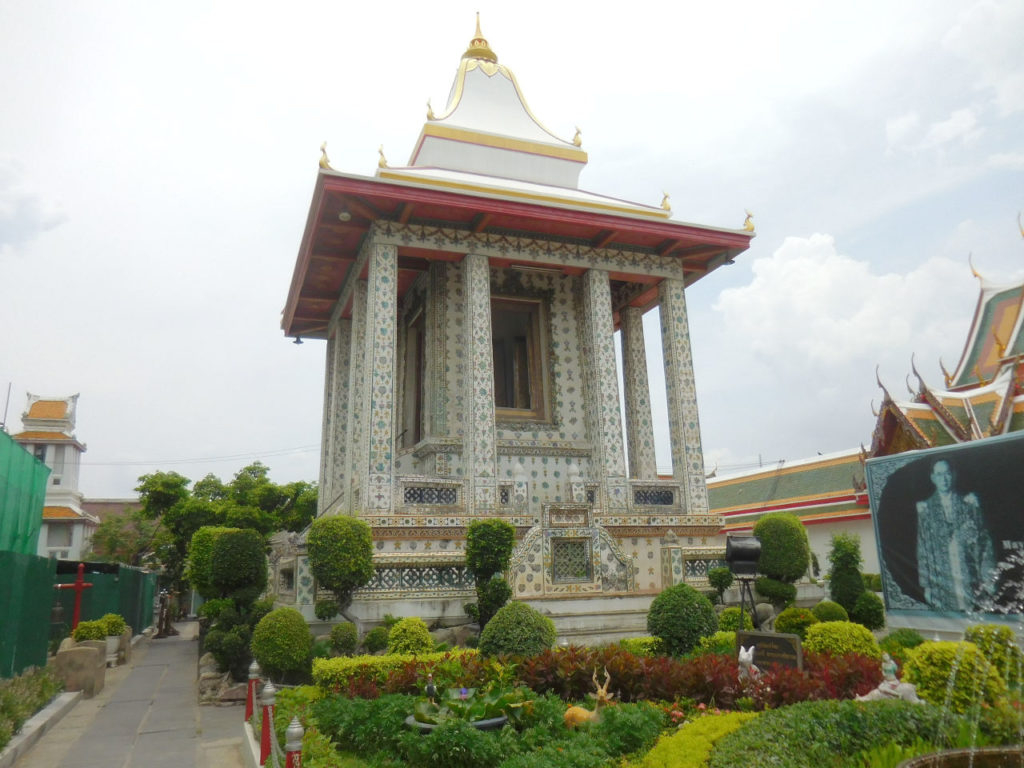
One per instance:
[(577, 715)]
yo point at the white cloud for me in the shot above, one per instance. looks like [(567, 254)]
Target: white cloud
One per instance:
[(1011, 160), (987, 36), (899, 129), (962, 125)]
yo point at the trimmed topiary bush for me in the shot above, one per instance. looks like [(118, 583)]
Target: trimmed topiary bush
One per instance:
[(340, 550), (376, 639), (89, 630), (931, 664), (212, 609), (113, 624), (795, 621), (778, 593), (680, 616), (729, 619), (489, 545), (838, 638), (721, 580), (723, 641), (827, 610), (491, 595), (325, 610), (785, 555), (198, 567), (641, 646), (845, 581), (410, 636), (996, 643), (344, 638), (869, 610), (281, 643), (518, 630), (239, 567), (230, 647)]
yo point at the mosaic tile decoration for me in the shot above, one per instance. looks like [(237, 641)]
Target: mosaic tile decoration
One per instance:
[(480, 453), (637, 395), (687, 456), (381, 332), (338, 467), (653, 497), (326, 495), (420, 494), (355, 443), (436, 400), (411, 581), (689, 564)]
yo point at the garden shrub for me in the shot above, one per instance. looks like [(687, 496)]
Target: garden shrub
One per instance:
[(785, 555), (341, 672), (89, 630), (795, 621), (23, 696), (199, 565), (680, 616), (872, 581), (778, 593), (364, 726), (828, 610), (281, 643), (340, 550), (996, 643), (819, 733), (376, 639), (900, 642), (627, 729), (489, 545), (230, 647), (212, 609), (239, 566), (518, 630), (453, 744), (869, 610), (113, 624), (720, 579), (838, 638), (344, 637), (845, 582), (325, 609), (641, 646), (931, 664), (690, 746), (410, 636), (722, 641), (258, 610), (729, 619), (491, 595)]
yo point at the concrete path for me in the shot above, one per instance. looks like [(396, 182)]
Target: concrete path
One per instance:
[(146, 716)]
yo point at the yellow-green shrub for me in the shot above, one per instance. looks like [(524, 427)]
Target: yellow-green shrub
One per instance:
[(931, 664), (690, 746), (995, 641), (723, 641), (330, 674), (642, 646), (838, 638), (410, 636)]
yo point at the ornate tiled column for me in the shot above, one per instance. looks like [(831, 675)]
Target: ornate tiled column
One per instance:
[(326, 494), (355, 446), (687, 456), (603, 389), (337, 461), (639, 422), (379, 402), (479, 452)]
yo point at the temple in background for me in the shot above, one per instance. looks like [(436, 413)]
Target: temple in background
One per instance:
[(468, 303)]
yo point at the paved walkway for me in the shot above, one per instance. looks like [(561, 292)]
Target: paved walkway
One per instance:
[(146, 716)]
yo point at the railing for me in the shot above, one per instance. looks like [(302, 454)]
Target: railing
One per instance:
[(271, 753)]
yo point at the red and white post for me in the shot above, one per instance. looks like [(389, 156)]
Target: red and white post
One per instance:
[(250, 694), (267, 699), (293, 744)]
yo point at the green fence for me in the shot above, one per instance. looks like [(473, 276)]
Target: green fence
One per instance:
[(25, 602), (22, 490), (115, 588)]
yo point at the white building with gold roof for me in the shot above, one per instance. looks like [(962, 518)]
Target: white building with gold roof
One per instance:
[(48, 431), (469, 301)]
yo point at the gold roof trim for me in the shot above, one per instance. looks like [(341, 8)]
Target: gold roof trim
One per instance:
[(470, 136), (479, 48)]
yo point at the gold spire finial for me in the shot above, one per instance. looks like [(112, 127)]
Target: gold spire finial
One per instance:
[(1000, 344), (1020, 223), (324, 162), (748, 223), (382, 162), (577, 140), (430, 111), (478, 46), (946, 374), (970, 263), (664, 201)]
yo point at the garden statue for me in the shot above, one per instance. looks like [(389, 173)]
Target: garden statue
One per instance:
[(748, 670), (431, 689), (891, 687), (576, 715)]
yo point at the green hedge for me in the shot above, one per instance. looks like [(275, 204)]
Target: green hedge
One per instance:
[(335, 674), (839, 638), (691, 745)]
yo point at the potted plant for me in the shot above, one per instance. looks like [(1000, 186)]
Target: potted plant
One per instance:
[(113, 627)]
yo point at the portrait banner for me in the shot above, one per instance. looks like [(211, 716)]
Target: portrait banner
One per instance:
[(949, 525)]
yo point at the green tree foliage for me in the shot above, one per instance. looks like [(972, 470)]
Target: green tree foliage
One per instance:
[(869, 610), (281, 643), (785, 552), (827, 610), (729, 619), (845, 581), (198, 569), (130, 538), (956, 675), (344, 637), (680, 616), (721, 580), (340, 550), (489, 545), (795, 621), (518, 630), (410, 636), (239, 566), (838, 638)]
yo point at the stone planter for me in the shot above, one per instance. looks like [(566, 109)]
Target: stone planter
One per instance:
[(493, 724), (986, 757), (113, 646)]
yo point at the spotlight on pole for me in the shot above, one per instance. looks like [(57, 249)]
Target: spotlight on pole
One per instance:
[(742, 554)]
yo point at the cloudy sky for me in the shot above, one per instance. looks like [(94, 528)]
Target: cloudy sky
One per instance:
[(157, 162)]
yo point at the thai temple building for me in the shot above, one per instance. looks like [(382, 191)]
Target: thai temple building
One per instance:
[(49, 433), (468, 302)]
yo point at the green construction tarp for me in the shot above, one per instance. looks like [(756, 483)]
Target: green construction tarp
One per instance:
[(22, 491), (25, 602)]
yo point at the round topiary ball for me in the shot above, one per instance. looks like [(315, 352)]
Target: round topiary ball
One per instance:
[(410, 636), (869, 610), (281, 643), (518, 630), (838, 638), (795, 621), (344, 637), (931, 665), (681, 616), (376, 639), (729, 619), (828, 610)]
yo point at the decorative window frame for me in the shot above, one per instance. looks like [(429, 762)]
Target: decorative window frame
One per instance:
[(559, 543), (410, 482)]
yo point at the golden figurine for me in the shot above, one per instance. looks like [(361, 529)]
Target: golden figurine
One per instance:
[(324, 162), (577, 140), (748, 223), (430, 111), (664, 201), (382, 162)]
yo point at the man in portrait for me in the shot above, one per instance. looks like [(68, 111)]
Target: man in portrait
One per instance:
[(955, 555)]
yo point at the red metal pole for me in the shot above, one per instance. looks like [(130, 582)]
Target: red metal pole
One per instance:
[(250, 694), (268, 720), (79, 586)]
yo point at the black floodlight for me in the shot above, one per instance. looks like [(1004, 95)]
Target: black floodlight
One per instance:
[(742, 554)]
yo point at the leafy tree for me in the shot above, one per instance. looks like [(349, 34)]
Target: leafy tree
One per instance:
[(721, 580), (785, 555), (199, 568), (238, 567), (340, 550), (128, 538), (845, 581), (489, 545)]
